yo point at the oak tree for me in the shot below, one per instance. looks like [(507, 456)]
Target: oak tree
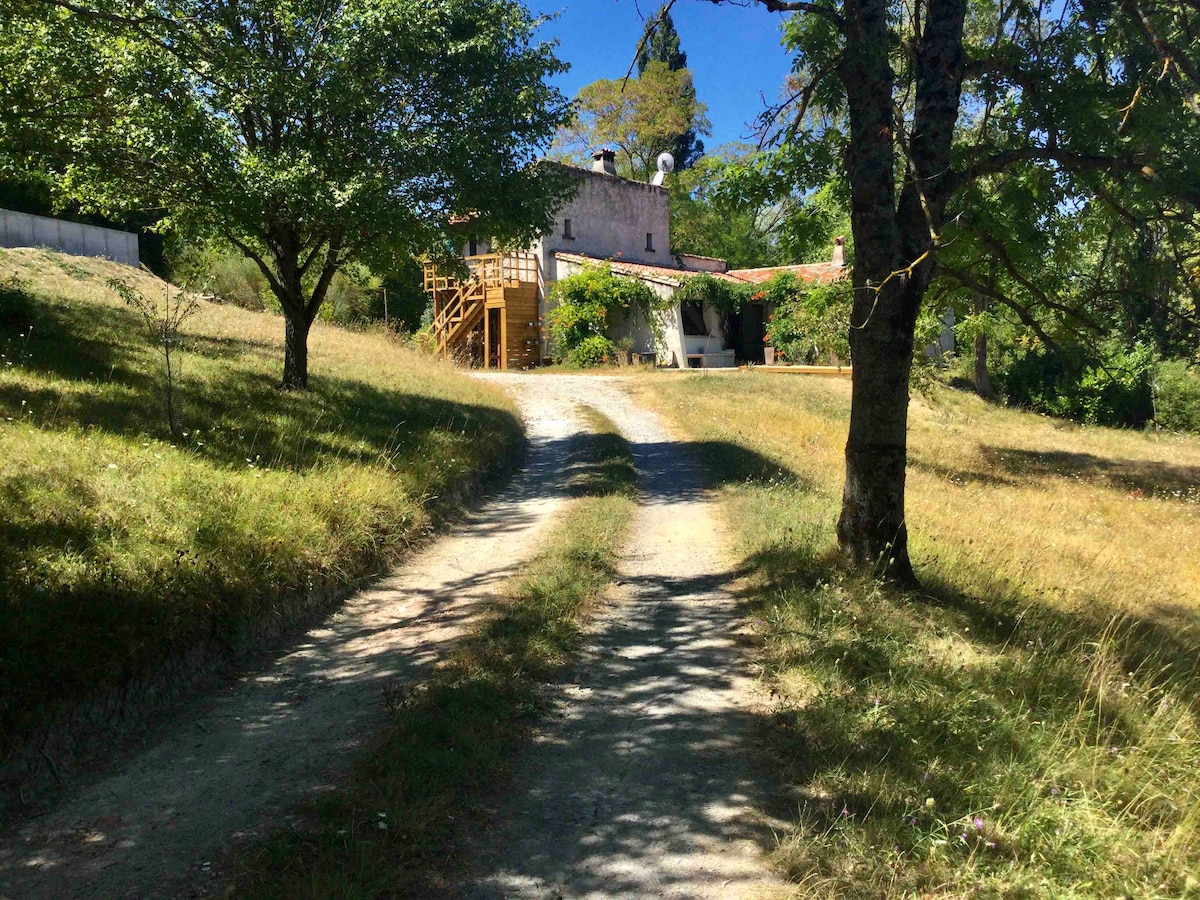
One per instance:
[(1070, 93), (307, 134)]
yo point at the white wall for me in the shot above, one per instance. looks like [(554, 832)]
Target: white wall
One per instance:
[(610, 218), (19, 229)]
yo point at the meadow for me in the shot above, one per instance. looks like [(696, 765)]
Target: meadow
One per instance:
[(125, 541), (1025, 724)]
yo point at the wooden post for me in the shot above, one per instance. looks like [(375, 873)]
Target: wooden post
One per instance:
[(487, 338), (504, 336)]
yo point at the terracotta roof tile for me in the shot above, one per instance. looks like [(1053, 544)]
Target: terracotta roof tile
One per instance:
[(820, 273), (670, 274)]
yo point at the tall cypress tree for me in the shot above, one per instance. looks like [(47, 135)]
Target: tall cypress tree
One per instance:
[(660, 43)]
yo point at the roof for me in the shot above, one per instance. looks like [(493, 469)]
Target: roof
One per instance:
[(819, 273), (670, 275)]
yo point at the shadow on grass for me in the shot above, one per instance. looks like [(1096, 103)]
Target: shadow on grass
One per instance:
[(965, 699), (114, 383), (1144, 476)]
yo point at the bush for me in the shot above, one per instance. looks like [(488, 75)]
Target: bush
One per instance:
[(809, 323), (573, 323), (581, 316), (1177, 395), (596, 350), (1111, 387)]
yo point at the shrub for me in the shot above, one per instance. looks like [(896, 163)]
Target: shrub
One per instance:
[(1109, 387), (1177, 395), (573, 323), (596, 350), (582, 314), (809, 322)]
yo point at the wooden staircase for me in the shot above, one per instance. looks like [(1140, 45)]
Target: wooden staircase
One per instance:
[(459, 305)]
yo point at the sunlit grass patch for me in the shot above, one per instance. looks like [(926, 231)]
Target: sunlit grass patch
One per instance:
[(446, 741), (1026, 725), (122, 544)]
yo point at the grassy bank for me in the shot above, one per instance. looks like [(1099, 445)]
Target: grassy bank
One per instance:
[(122, 543), (447, 740), (1026, 724)]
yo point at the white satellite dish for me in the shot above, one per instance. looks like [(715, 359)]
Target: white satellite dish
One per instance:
[(666, 165)]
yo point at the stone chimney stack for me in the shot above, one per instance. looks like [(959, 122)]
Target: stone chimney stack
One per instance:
[(839, 251), (605, 162)]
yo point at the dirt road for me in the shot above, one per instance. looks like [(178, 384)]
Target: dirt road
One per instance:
[(641, 786), (638, 785), (243, 761)]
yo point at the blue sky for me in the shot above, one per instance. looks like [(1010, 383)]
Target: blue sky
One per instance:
[(733, 52)]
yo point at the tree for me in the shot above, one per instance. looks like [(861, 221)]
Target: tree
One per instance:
[(1059, 94), (660, 43), (308, 135), (640, 117)]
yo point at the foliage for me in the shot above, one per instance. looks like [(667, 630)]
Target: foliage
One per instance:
[(923, 107), (1177, 395), (1111, 385), (810, 322), (660, 43), (1026, 725), (121, 546), (720, 294), (640, 118), (462, 727), (595, 350), (357, 132), (583, 303)]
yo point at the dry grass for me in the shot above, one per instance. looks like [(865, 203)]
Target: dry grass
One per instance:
[(1025, 725), (121, 543)]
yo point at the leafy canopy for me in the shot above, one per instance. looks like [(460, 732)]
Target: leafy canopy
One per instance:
[(307, 133), (640, 118)]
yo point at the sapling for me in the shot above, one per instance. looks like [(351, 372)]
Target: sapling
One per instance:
[(163, 322)]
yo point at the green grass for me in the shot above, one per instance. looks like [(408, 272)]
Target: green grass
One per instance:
[(447, 740), (122, 545), (1023, 726)]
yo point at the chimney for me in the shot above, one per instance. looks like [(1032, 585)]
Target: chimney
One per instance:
[(605, 161), (839, 251)]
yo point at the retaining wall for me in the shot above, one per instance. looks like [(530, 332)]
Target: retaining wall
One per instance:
[(19, 229)]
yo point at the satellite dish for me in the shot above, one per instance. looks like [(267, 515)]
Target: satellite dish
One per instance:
[(666, 165)]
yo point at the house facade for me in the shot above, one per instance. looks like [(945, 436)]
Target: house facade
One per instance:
[(495, 317)]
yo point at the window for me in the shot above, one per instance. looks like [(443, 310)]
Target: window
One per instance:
[(567, 230), (693, 318), (649, 242), (473, 247)]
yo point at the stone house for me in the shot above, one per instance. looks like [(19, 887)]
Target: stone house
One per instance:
[(612, 221)]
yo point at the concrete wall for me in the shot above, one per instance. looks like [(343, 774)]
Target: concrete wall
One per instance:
[(23, 230)]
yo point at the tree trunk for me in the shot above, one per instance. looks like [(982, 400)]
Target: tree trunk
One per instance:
[(295, 349), (983, 381), (871, 529)]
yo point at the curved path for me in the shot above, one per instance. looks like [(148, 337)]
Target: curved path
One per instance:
[(637, 786), (641, 786), (243, 760)]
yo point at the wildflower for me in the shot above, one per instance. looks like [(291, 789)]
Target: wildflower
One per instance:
[(926, 777), (978, 824), (929, 803)]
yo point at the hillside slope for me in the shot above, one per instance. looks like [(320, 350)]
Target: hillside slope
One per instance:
[(122, 545)]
